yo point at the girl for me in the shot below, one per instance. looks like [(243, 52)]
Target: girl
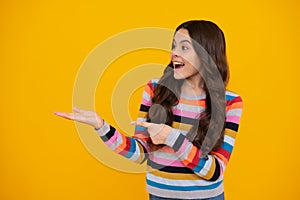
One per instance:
[(184, 140)]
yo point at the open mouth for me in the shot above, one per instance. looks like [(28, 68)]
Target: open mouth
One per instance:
[(178, 65)]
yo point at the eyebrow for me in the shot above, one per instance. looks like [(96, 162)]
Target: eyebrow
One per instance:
[(182, 41)]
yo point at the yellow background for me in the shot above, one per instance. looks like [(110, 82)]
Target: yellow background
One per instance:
[(43, 44)]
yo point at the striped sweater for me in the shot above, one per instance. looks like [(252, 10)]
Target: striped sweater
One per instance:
[(177, 170)]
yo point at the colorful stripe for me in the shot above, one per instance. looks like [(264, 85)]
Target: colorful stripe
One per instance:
[(178, 170)]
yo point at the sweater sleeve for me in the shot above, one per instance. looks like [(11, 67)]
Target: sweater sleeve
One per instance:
[(210, 167), (134, 148)]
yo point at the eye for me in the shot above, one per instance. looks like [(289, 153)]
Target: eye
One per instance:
[(184, 48)]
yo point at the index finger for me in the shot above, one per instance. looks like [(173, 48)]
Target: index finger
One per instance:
[(139, 123)]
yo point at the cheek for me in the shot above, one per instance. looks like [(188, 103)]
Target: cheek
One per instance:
[(193, 61), (191, 70), (196, 63)]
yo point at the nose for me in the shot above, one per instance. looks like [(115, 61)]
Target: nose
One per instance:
[(174, 53)]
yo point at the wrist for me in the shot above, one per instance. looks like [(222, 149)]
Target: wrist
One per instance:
[(104, 129), (99, 124)]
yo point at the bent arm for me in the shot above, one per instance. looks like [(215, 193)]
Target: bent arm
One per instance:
[(212, 166)]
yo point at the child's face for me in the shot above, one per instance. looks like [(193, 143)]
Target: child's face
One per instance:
[(185, 60)]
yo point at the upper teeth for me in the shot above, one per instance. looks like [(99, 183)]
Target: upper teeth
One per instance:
[(177, 63)]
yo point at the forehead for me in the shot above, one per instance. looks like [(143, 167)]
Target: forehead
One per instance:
[(182, 34)]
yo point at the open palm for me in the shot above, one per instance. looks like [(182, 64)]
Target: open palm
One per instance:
[(83, 116)]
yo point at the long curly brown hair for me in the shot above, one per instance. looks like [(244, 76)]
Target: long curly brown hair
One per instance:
[(206, 36)]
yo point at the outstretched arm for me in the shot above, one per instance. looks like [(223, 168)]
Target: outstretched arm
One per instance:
[(126, 146), (134, 148)]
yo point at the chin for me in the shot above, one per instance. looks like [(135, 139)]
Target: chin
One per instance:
[(178, 76)]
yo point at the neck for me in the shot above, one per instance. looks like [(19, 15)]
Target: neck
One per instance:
[(193, 87)]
